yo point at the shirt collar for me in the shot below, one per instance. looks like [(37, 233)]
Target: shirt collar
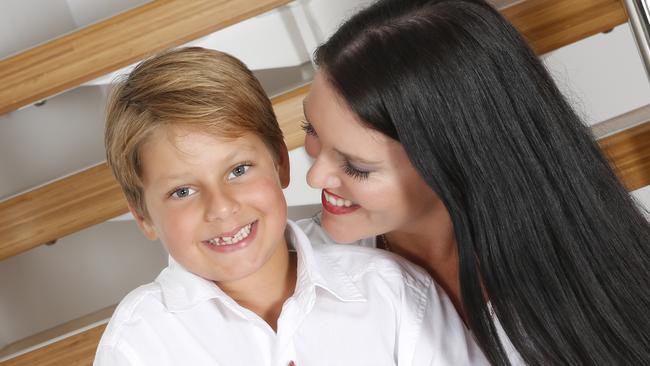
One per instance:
[(182, 289), (319, 271)]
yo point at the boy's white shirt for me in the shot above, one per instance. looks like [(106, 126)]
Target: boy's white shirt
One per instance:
[(312, 228), (352, 306)]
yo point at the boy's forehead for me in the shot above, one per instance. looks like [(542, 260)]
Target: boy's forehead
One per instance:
[(178, 135), (168, 157), (189, 142)]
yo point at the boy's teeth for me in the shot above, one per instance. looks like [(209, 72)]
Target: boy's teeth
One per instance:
[(338, 202), (229, 240)]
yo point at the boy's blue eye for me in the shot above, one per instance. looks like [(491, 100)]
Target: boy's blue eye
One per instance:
[(182, 192), (308, 128), (238, 171)]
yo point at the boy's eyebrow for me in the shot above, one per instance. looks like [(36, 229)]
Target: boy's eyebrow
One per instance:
[(183, 175), (170, 177)]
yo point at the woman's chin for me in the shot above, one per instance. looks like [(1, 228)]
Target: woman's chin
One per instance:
[(341, 234)]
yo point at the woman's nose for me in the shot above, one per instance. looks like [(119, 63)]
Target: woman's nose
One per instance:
[(320, 175), (323, 174)]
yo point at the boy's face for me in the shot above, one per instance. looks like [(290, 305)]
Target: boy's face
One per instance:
[(216, 204)]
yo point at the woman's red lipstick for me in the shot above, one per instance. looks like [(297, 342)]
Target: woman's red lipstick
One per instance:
[(336, 210)]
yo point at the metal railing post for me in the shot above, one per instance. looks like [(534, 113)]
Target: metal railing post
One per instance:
[(638, 12)]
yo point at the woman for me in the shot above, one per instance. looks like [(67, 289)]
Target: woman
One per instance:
[(433, 125)]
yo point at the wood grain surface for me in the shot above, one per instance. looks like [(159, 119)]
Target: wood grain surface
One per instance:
[(109, 45)]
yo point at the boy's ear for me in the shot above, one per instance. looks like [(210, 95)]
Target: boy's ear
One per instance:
[(144, 224), (283, 166)]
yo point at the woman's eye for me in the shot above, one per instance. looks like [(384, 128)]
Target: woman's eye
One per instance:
[(353, 172), (308, 128), (182, 192), (239, 171)]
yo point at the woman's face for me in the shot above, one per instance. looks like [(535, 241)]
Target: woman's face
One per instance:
[(369, 186)]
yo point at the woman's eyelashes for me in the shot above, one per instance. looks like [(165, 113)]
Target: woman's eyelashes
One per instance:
[(354, 172), (347, 167), (308, 128)]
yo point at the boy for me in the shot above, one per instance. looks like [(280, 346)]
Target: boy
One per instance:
[(193, 141)]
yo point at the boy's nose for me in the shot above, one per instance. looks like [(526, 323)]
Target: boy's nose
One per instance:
[(323, 175), (219, 206)]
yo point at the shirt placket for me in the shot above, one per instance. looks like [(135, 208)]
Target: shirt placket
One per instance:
[(294, 311)]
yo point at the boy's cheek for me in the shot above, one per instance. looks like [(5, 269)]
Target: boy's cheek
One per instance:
[(267, 190)]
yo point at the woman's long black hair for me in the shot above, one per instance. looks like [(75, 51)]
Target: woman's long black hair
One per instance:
[(542, 224)]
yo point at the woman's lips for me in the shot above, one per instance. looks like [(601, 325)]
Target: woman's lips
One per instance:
[(341, 207)]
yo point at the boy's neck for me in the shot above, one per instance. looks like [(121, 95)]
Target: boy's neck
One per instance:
[(265, 292)]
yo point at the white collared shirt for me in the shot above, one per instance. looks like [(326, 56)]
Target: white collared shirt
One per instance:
[(351, 306), (311, 227)]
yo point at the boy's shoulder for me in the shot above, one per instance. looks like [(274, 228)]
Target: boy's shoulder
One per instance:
[(360, 258), (141, 303), (357, 261)]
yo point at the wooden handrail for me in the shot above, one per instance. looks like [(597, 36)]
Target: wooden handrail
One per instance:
[(76, 350), (551, 24), (109, 45), (92, 196), (629, 153)]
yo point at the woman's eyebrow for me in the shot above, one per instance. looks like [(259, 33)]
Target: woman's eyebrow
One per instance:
[(304, 108), (357, 159), (349, 157)]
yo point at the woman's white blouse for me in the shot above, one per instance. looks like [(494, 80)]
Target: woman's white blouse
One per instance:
[(352, 306)]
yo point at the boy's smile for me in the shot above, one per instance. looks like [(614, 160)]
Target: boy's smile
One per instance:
[(235, 239), (215, 203)]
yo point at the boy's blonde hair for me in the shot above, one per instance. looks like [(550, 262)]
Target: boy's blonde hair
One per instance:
[(193, 87)]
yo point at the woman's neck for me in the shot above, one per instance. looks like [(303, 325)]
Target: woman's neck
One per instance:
[(432, 246), (265, 291)]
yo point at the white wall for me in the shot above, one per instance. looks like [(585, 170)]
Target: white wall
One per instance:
[(642, 196), (86, 12), (40, 144), (27, 23), (81, 273), (602, 75), (21, 27), (299, 192)]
